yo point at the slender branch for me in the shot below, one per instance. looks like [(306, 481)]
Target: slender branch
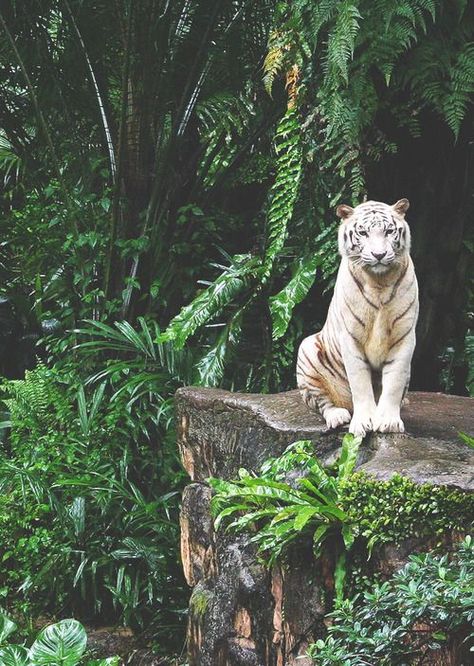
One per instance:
[(121, 145), (108, 135)]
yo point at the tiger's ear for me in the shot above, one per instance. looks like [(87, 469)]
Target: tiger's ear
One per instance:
[(401, 206), (343, 211)]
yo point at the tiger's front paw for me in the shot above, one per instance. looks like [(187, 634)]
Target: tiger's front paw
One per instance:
[(386, 420), (361, 424), (336, 416)]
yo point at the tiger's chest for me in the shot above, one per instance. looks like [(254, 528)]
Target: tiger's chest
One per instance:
[(381, 324), (378, 340)]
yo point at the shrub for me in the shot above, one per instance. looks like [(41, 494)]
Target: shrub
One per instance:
[(88, 515), (390, 511), (419, 609), (283, 510), (295, 499)]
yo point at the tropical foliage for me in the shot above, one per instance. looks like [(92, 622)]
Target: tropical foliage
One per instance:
[(294, 496), (128, 160), (169, 172), (88, 521), (407, 618), (295, 500), (63, 644)]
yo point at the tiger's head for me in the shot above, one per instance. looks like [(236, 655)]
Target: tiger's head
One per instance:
[(374, 235)]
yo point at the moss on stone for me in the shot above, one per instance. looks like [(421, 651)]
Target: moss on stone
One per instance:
[(393, 510), (199, 601)]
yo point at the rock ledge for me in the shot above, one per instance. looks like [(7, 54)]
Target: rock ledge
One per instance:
[(219, 432)]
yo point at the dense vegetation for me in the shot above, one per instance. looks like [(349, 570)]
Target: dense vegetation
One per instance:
[(169, 174), (295, 500), (428, 603)]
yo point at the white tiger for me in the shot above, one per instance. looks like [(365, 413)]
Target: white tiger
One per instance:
[(359, 362)]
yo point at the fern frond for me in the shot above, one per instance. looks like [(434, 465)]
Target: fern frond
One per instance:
[(224, 112), (37, 399), (320, 13), (211, 367), (286, 186), (461, 86), (273, 63), (341, 40), (282, 304), (222, 119), (205, 307)]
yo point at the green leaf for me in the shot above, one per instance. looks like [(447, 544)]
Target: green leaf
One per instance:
[(467, 438), (229, 511), (7, 627), (303, 516), (318, 538), (60, 644), (211, 366), (348, 457), (212, 300), (340, 573), (285, 188), (282, 304), (348, 536), (326, 498), (14, 655)]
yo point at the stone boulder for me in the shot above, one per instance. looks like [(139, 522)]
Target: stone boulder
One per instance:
[(241, 614)]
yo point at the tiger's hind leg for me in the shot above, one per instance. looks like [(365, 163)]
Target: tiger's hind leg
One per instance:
[(323, 386)]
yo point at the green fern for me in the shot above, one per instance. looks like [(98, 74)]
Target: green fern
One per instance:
[(246, 272), (36, 402), (222, 119), (210, 303), (285, 189), (287, 47), (461, 88), (212, 365), (282, 304), (274, 60), (341, 41)]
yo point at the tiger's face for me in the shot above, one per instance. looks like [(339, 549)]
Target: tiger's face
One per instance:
[(374, 235)]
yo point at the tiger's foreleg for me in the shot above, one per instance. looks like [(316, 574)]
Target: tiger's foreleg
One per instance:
[(360, 381), (395, 378), (315, 375)]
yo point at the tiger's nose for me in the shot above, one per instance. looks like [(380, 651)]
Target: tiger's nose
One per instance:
[(379, 255)]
